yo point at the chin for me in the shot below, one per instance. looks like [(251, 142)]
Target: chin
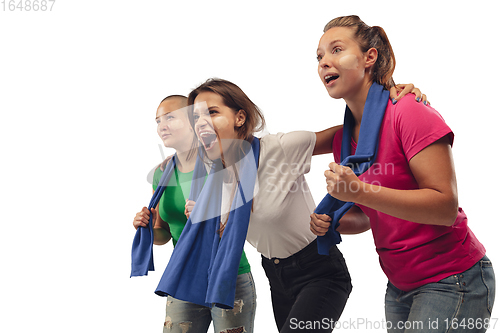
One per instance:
[(332, 92), (334, 95), (213, 154)]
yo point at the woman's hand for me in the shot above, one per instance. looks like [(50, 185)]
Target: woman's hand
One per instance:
[(142, 218), (342, 182), (320, 223), (353, 222), (188, 208), (400, 90)]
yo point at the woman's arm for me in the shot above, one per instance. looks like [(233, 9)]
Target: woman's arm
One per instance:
[(324, 140), (161, 229), (353, 222), (435, 202)]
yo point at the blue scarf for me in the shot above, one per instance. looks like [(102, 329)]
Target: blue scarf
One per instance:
[(362, 160), (142, 246), (204, 266)]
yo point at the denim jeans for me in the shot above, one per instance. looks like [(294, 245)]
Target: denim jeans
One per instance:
[(184, 317), (458, 303), (308, 290)]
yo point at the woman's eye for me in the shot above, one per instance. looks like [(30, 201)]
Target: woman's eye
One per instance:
[(336, 50), (319, 57)]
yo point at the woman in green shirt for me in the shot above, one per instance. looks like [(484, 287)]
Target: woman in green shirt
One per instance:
[(170, 218)]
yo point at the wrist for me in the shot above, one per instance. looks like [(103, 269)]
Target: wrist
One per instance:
[(365, 194)]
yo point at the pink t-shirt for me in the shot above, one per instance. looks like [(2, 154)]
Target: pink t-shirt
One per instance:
[(413, 254)]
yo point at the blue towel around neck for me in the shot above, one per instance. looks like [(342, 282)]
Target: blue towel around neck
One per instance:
[(204, 266), (142, 246), (361, 161)]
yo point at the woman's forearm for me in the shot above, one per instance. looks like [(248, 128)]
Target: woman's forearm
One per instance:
[(353, 222), (324, 140), (426, 206)]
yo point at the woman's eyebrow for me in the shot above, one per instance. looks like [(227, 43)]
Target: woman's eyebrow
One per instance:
[(330, 44), (162, 115)]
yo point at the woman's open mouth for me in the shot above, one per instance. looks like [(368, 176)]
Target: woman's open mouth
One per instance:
[(208, 139), (330, 78)]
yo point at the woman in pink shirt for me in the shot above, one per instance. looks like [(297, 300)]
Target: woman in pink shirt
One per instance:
[(439, 276)]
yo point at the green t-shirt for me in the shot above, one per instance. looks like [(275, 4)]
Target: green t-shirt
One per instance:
[(172, 205)]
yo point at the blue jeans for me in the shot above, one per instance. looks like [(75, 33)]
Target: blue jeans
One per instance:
[(183, 317), (458, 303), (308, 290)]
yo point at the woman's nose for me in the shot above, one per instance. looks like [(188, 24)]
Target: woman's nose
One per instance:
[(324, 62), (203, 120), (162, 125)]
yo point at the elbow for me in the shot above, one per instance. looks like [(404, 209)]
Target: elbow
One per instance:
[(450, 220), (161, 242), (450, 212)]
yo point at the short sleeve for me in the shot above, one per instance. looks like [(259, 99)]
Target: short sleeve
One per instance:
[(418, 126), (298, 148), (156, 178)]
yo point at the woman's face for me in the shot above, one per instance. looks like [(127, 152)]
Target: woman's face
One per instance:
[(341, 64), (215, 124), (173, 125)]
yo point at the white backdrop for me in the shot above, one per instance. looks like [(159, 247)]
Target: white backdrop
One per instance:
[(79, 87)]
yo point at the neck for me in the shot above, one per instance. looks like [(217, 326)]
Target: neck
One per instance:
[(229, 157), (184, 163), (233, 154), (356, 103)]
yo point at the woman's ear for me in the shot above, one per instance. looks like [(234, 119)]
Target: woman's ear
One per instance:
[(371, 57), (241, 117)]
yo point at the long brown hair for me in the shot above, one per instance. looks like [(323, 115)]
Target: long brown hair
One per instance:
[(371, 37), (235, 99)]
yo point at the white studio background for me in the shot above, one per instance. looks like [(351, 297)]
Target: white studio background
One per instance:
[(79, 87)]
